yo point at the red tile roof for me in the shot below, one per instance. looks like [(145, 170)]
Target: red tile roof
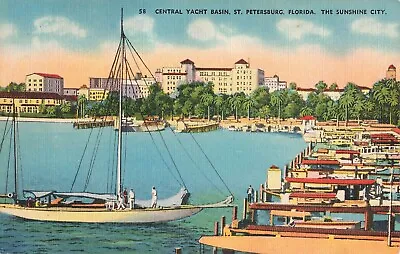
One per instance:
[(331, 181), (391, 67), (241, 61), (305, 118), (320, 162), (70, 97), (187, 61), (305, 89), (47, 75), (30, 95), (396, 130), (274, 166)]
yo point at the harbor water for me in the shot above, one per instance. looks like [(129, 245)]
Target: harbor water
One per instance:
[(51, 154)]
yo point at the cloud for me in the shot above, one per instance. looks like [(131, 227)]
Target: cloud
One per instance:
[(58, 25), (202, 30), (297, 28), (374, 27), (7, 30), (139, 24)]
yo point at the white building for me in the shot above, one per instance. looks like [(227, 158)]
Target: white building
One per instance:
[(71, 91), (274, 84), (44, 82), (136, 88)]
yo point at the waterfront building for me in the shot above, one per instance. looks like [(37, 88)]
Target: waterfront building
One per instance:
[(28, 102), (226, 80), (274, 84), (391, 72), (71, 91), (92, 94), (44, 82), (333, 94), (135, 88)]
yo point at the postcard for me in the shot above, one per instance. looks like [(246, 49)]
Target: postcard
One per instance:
[(199, 126)]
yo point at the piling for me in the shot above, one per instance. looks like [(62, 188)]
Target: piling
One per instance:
[(234, 213), (256, 197), (261, 192), (178, 251), (244, 208), (216, 226), (222, 225)]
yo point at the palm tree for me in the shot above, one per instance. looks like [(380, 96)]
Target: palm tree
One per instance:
[(381, 94), (235, 102), (207, 99), (276, 100), (348, 98), (81, 104), (306, 111), (218, 101), (264, 112), (248, 103)]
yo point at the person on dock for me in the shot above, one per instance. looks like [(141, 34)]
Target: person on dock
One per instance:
[(154, 198), (250, 194), (125, 195), (131, 199), (121, 203)]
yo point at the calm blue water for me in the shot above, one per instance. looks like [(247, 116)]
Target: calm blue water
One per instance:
[(50, 155)]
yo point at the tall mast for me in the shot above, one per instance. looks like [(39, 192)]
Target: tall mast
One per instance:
[(119, 154), (15, 196)]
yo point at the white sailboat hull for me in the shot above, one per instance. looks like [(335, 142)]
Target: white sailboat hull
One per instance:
[(99, 215)]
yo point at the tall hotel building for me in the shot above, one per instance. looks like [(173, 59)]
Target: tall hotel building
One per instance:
[(45, 83), (240, 78)]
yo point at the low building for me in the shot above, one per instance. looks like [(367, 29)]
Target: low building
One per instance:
[(44, 82), (93, 94), (28, 102), (71, 91), (134, 88), (333, 94), (274, 84)]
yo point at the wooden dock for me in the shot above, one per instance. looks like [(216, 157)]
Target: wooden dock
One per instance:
[(195, 127), (93, 124)]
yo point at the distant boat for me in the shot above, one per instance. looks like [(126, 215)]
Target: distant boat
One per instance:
[(147, 125)]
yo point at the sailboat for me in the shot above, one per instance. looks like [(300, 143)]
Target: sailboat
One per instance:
[(90, 207)]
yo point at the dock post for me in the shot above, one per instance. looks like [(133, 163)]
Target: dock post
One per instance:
[(256, 197), (234, 213), (244, 208), (216, 226), (222, 225), (368, 218), (261, 192), (178, 251)]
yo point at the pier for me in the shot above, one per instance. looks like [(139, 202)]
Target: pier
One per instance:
[(92, 124)]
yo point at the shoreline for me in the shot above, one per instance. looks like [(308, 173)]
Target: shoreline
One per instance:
[(40, 120)]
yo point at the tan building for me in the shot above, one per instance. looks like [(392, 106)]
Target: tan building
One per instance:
[(241, 78), (333, 94), (28, 102), (391, 72), (44, 82), (93, 94)]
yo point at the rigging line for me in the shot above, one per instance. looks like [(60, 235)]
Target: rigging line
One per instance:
[(137, 53), (159, 152), (212, 165), (162, 138), (81, 160), (195, 164), (8, 162), (5, 132), (109, 161), (113, 161), (19, 155), (94, 155)]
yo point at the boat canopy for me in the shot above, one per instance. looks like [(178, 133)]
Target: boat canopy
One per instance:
[(102, 196), (38, 194)]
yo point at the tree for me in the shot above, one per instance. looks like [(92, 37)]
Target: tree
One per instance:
[(218, 102), (66, 107), (333, 87), (248, 103), (82, 101), (292, 86), (236, 102), (207, 99), (321, 86), (264, 112)]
